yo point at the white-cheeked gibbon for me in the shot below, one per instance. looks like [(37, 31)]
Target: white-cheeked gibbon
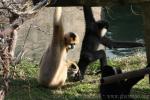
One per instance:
[(54, 65)]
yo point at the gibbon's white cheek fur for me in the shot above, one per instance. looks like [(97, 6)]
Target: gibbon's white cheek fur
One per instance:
[(103, 32)]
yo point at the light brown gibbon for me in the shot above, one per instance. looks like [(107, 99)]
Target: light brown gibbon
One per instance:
[(54, 65)]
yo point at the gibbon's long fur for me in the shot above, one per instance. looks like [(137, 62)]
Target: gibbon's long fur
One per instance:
[(53, 65)]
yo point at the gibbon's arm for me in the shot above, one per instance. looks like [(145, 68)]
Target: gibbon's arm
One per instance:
[(119, 44), (88, 16), (58, 31)]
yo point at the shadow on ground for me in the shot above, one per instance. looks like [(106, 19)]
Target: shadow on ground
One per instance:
[(30, 90)]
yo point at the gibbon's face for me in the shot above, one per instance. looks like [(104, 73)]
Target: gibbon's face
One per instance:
[(72, 72), (71, 39)]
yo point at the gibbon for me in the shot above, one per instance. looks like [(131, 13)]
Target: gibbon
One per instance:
[(53, 65), (95, 35)]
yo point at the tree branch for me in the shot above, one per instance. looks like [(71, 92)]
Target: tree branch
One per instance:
[(93, 2)]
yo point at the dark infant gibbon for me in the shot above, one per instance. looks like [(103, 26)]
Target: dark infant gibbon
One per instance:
[(119, 90)]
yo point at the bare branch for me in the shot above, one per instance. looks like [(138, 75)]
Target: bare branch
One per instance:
[(14, 9)]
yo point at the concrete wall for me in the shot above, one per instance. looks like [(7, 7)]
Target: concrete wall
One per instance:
[(39, 39)]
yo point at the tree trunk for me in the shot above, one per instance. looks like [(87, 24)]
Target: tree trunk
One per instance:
[(146, 17)]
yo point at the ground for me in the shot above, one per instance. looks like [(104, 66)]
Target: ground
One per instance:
[(25, 85)]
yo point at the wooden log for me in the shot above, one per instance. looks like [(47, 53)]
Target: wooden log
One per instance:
[(123, 76), (92, 2)]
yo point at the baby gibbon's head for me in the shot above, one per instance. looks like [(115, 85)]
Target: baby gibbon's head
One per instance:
[(71, 39)]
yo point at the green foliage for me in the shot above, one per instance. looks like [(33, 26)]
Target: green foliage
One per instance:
[(25, 69), (94, 66), (126, 63), (25, 85)]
